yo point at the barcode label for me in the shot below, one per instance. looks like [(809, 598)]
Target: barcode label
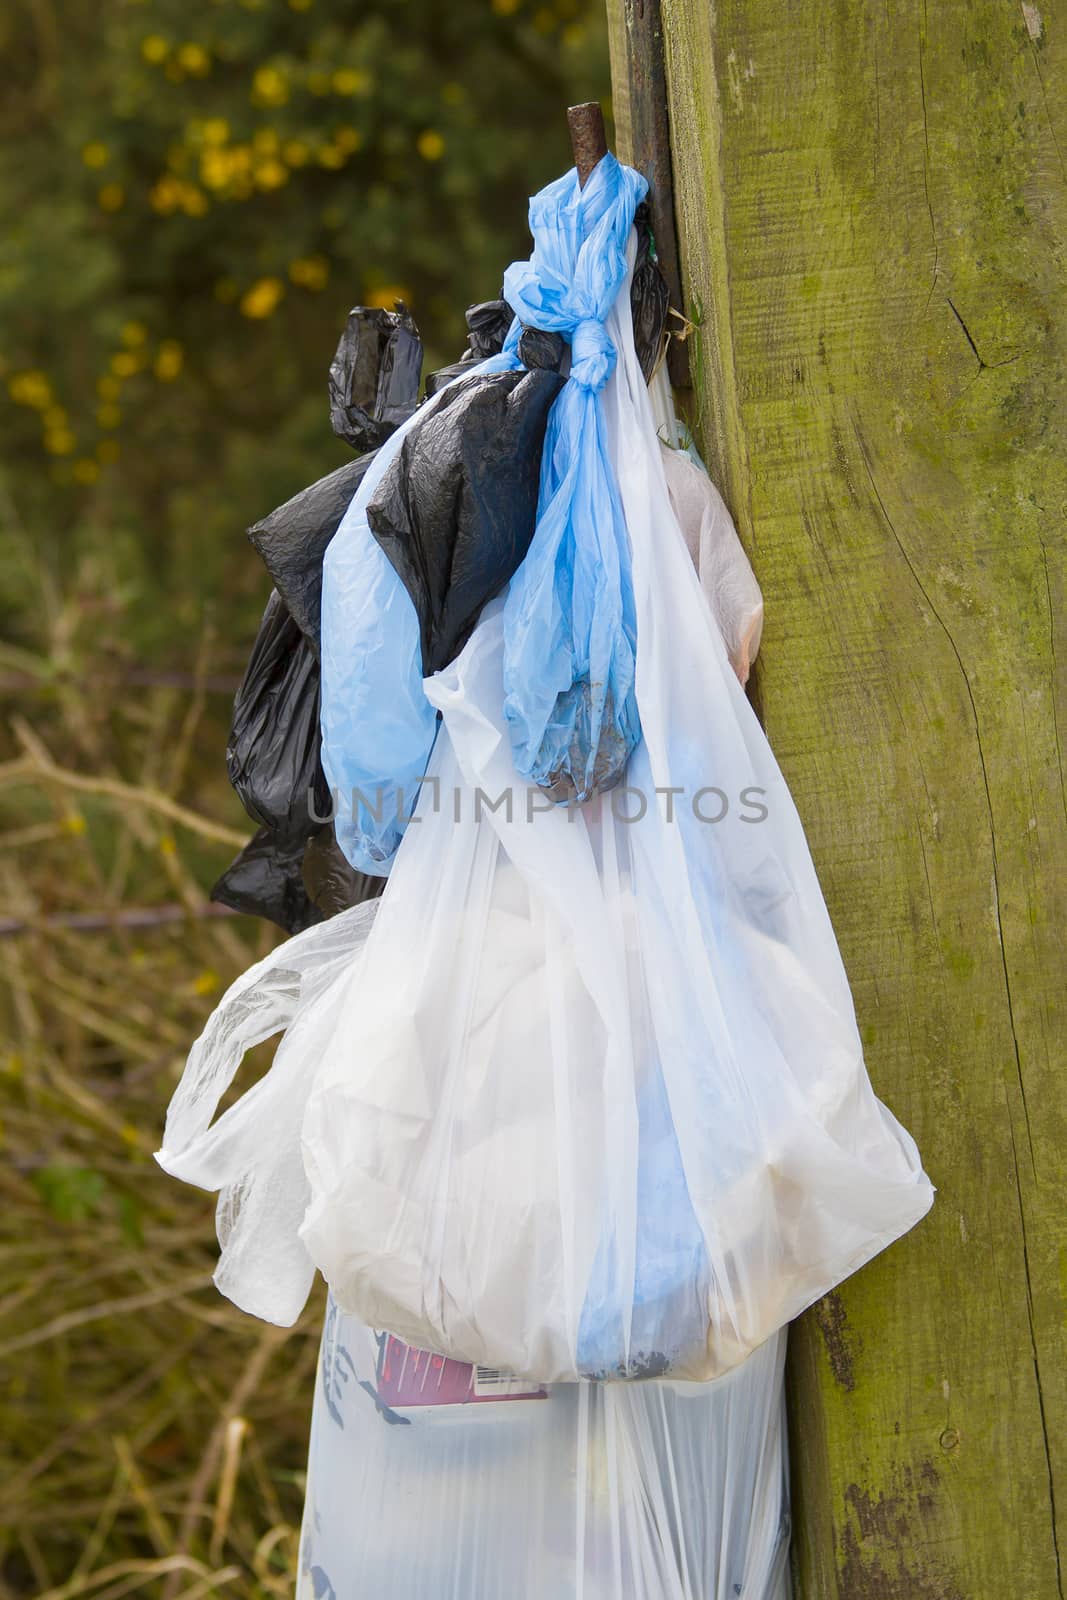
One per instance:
[(408, 1378), (491, 1381)]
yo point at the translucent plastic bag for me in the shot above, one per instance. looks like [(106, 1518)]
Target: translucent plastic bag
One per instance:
[(726, 576), (423, 1487), (251, 1153), (592, 1100)]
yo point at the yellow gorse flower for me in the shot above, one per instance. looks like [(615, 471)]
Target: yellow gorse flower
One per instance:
[(387, 294), (269, 86), (309, 272), (169, 361), (30, 388), (195, 60), (430, 145), (271, 174), (262, 299), (350, 80)]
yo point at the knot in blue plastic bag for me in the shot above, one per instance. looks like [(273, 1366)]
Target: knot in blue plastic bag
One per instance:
[(593, 355), (569, 624)]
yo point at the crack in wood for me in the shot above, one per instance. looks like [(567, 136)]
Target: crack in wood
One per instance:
[(997, 907)]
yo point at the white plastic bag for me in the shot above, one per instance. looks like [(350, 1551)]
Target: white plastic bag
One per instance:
[(726, 577), (591, 1101), (251, 1153), (650, 1491), (725, 572)]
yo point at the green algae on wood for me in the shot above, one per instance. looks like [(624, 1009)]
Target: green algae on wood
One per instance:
[(872, 207)]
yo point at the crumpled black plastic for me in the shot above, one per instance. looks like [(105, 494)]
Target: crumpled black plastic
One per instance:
[(540, 347), (374, 375), (292, 541), (489, 321), (292, 870), (274, 753), (487, 327), (332, 883), (649, 296), (456, 507), (267, 880), (273, 757)]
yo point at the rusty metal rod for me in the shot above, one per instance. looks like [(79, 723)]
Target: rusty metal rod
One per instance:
[(588, 138)]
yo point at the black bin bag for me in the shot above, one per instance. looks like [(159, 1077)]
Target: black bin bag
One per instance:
[(292, 541), (273, 757), (649, 296), (267, 880), (331, 881), (374, 375), (455, 510), (292, 871), (487, 328)]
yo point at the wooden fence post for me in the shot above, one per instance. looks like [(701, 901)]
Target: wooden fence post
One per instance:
[(872, 213)]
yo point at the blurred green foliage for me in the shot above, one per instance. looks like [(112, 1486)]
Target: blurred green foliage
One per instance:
[(196, 194)]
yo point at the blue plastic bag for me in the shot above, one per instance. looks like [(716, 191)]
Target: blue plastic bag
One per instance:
[(570, 623)]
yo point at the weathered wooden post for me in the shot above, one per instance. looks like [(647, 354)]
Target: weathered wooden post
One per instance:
[(871, 204)]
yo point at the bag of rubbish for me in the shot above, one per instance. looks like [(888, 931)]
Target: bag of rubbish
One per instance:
[(487, 327), (275, 876), (374, 375), (293, 991), (330, 882), (589, 1100), (725, 573), (267, 880), (649, 296), (488, 323), (430, 1477), (273, 754), (292, 541), (455, 509), (571, 629)]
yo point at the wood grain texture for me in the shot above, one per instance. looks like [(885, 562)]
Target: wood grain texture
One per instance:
[(872, 204), (639, 71)]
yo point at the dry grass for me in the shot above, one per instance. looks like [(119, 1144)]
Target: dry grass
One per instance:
[(154, 1441)]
